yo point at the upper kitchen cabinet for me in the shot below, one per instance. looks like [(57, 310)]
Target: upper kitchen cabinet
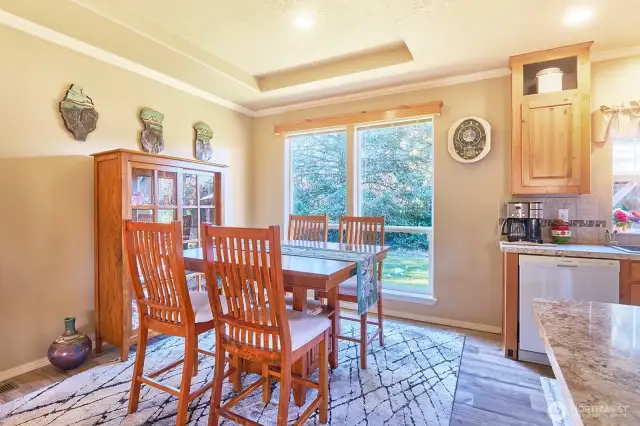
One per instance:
[(550, 144)]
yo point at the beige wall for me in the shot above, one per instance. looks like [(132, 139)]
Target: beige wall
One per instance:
[(467, 196), (46, 180)]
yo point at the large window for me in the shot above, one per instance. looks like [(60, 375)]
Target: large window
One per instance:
[(319, 174), (626, 185), (389, 172), (396, 180)]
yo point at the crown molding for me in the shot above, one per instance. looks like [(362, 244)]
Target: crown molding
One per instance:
[(607, 55), (391, 90), (87, 49), (598, 56)]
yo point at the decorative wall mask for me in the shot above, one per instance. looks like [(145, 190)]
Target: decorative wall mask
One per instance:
[(151, 137), (203, 141), (469, 139), (78, 113)]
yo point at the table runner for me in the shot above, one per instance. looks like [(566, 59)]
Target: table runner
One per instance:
[(366, 269)]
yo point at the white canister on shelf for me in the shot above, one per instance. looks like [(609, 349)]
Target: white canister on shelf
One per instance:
[(549, 80)]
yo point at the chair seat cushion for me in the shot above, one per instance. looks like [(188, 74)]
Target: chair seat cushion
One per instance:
[(349, 287), (202, 307), (305, 327)]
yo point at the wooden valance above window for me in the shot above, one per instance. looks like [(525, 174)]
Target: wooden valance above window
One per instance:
[(368, 116), (616, 122)]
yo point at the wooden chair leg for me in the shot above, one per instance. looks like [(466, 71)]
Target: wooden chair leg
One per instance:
[(285, 394), (266, 387), (138, 368), (380, 320), (324, 379), (363, 341), (216, 392), (185, 384), (195, 361), (236, 377), (124, 351)]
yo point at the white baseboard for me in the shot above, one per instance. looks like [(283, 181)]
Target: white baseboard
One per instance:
[(433, 320), (24, 368)]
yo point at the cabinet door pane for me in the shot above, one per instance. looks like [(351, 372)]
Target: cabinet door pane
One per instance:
[(167, 188), (142, 215), (206, 215), (166, 215), (205, 182), (190, 224), (189, 190), (142, 187)]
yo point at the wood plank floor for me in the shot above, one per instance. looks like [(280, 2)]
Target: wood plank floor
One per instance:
[(492, 390)]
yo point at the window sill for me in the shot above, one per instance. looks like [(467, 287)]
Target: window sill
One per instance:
[(630, 232), (398, 296), (403, 296)]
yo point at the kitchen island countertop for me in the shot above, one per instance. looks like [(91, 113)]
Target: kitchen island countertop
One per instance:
[(594, 350)]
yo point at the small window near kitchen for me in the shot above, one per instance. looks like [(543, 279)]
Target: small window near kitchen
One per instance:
[(626, 185)]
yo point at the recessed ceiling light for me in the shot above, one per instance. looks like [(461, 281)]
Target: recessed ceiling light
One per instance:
[(304, 21), (576, 15)]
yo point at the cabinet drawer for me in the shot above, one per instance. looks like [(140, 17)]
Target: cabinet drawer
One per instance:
[(634, 298), (634, 271)]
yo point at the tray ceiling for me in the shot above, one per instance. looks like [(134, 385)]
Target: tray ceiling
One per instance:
[(248, 52)]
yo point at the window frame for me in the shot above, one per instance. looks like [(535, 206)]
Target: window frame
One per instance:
[(635, 172), (354, 195)]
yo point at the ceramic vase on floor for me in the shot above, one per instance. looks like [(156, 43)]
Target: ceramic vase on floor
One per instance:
[(71, 348)]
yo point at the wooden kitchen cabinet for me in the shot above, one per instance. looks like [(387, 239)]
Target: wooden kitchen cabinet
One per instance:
[(630, 282), (510, 304), (551, 131)]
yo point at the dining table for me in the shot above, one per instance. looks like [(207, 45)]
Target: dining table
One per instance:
[(303, 273)]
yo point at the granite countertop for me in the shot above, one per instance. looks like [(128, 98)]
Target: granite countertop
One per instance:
[(594, 350), (570, 250)]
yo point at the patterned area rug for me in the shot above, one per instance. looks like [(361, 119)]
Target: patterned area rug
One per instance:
[(410, 381)]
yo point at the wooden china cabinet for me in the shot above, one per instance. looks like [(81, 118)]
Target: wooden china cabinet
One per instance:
[(143, 187)]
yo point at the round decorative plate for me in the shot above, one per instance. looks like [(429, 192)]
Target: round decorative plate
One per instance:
[(469, 139)]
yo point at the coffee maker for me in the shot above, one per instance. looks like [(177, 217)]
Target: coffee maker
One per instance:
[(516, 222), (534, 227)]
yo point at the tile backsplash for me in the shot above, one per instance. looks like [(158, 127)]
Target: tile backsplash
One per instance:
[(587, 222)]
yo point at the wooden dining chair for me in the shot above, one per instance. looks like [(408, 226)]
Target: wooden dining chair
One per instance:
[(365, 231), (257, 328), (165, 305), (308, 228)]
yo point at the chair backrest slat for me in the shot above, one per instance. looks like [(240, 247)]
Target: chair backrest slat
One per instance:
[(248, 262), (308, 228), (156, 266), (366, 230)]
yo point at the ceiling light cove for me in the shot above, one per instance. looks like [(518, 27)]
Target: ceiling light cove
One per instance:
[(304, 21), (576, 15)]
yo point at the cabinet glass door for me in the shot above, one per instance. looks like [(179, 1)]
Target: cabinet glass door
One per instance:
[(142, 215), (167, 189), (198, 205), (142, 187)]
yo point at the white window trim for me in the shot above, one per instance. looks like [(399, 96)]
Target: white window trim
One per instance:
[(354, 203)]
